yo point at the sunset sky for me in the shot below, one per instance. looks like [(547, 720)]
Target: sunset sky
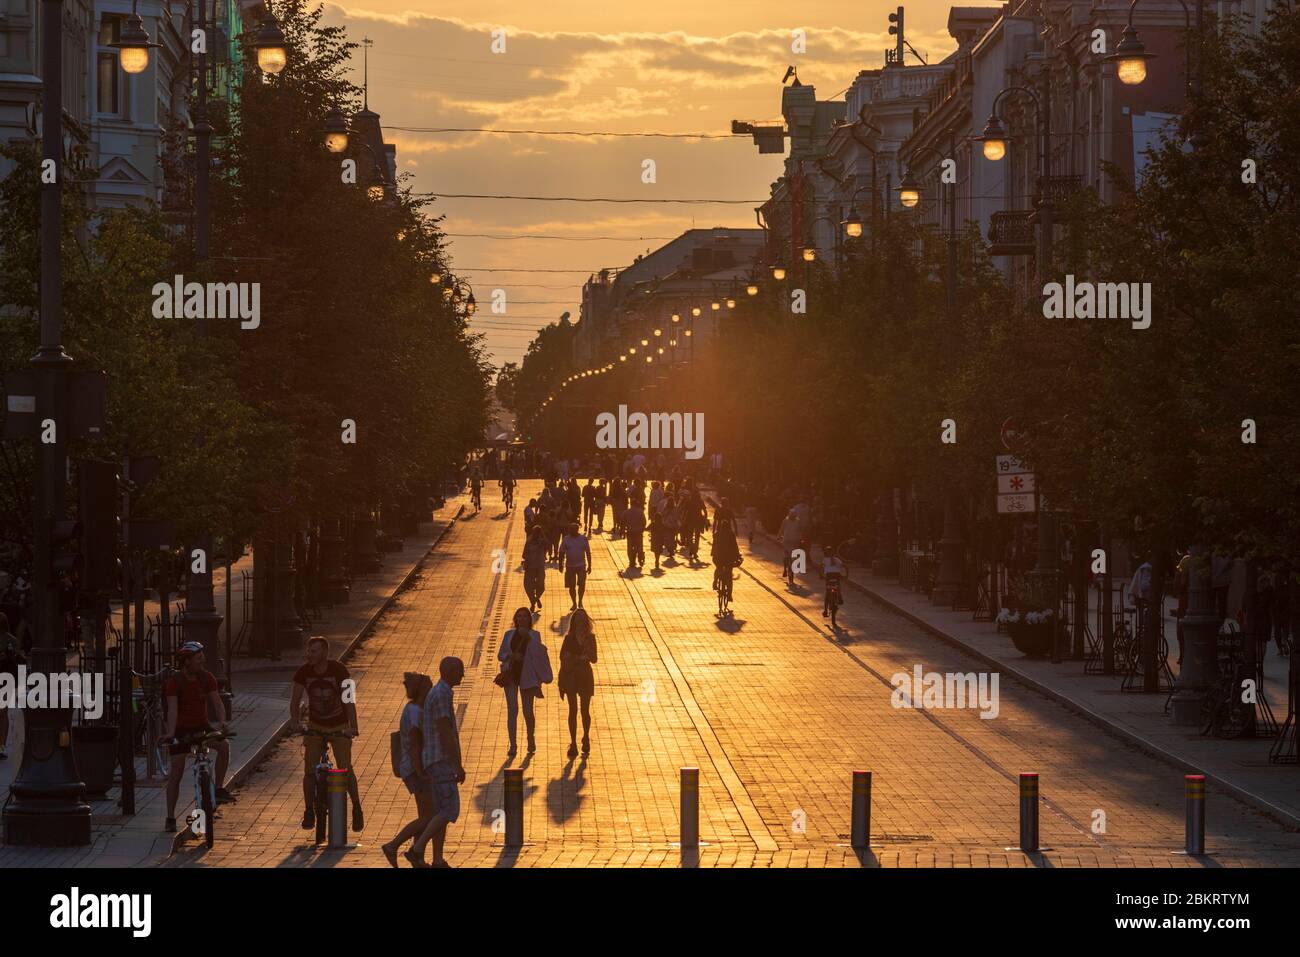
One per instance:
[(667, 66)]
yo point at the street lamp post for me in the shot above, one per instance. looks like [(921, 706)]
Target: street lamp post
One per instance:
[(1200, 624), (950, 584), (994, 140), (201, 621), (48, 806)]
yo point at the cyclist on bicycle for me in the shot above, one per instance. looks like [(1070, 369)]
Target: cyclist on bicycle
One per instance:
[(476, 488), (331, 709), (192, 699), (833, 571), (507, 484), (726, 550)]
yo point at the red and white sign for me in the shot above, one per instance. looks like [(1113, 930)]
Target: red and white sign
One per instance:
[(1015, 484), (1008, 434)]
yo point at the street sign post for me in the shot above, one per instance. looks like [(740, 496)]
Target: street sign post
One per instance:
[(1017, 489)]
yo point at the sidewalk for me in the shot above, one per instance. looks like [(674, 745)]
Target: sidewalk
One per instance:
[(260, 715), (1238, 766)]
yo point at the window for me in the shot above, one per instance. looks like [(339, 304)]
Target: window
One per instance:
[(108, 78)]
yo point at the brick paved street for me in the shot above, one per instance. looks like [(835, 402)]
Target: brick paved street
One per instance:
[(774, 709)]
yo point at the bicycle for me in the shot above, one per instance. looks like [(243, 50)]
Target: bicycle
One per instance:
[(205, 783), (1223, 712), (147, 697), (833, 596), (476, 498), (508, 496), (722, 584), (322, 770)]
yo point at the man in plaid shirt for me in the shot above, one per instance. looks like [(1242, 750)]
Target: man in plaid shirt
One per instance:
[(441, 760)]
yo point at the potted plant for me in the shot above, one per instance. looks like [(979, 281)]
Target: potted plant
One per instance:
[(1030, 619)]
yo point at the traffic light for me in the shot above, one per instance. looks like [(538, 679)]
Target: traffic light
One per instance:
[(896, 29), (100, 498), (65, 547)]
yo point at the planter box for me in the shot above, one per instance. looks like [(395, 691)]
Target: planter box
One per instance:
[(1034, 640)]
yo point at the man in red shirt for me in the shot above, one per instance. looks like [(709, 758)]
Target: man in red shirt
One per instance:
[(331, 708), (192, 696)]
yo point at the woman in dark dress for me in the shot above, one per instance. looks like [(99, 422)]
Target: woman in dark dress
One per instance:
[(577, 655)]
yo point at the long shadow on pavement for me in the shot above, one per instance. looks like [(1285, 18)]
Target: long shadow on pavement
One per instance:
[(564, 794)]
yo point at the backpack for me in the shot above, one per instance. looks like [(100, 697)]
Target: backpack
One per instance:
[(395, 744)]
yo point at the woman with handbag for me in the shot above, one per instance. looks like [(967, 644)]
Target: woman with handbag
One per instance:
[(525, 667), (577, 655)]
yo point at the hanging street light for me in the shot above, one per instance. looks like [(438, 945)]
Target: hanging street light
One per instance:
[(270, 44), (133, 44), (1130, 56), (909, 191), (994, 139), (336, 131)]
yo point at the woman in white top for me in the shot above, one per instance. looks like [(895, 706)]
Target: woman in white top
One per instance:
[(411, 767), (525, 667)]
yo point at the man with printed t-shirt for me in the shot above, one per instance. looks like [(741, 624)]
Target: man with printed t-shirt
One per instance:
[(191, 696), (331, 708)]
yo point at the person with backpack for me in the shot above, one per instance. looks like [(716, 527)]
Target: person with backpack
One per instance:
[(525, 667), (408, 746)]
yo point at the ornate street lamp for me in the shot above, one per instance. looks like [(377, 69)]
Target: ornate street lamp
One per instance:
[(853, 224), (994, 139), (336, 131), (751, 289), (133, 44), (909, 191), (731, 304), (778, 271), (695, 311), (1130, 56), (270, 45), (715, 305), (809, 254)]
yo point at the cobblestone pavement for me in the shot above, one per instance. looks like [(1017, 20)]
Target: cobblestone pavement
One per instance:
[(774, 708)]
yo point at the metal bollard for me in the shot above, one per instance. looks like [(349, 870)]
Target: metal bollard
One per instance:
[(861, 828), (1029, 811), (690, 807), (514, 799), (1194, 787), (336, 793)]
